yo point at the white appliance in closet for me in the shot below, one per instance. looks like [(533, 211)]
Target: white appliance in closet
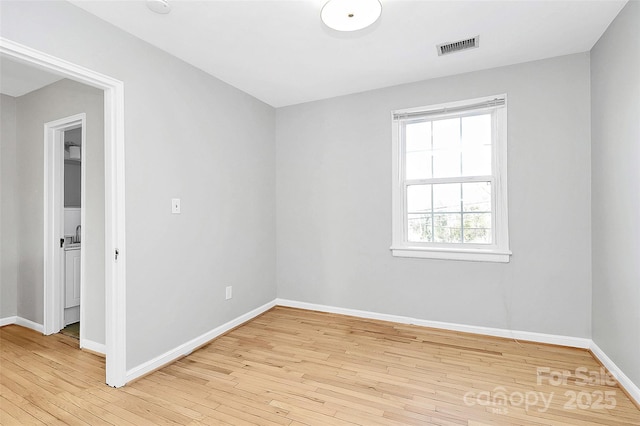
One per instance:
[(72, 265)]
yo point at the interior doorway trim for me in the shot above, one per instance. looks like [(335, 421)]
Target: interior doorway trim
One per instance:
[(115, 265), (54, 222)]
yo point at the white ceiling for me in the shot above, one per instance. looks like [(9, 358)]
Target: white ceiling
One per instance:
[(17, 79), (281, 53)]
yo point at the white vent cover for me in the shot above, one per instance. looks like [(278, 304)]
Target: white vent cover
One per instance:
[(456, 46)]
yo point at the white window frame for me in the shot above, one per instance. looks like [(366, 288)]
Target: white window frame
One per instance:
[(498, 250)]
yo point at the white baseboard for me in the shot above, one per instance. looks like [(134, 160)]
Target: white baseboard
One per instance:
[(93, 346), (188, 347), (86, 344), (553, 339), (632, 389), (29, 324), (8, 320), (577, 342), (574, 342)]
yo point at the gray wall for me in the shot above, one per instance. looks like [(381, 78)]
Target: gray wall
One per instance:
[(615, 129), (8, 211), (59, 100), (73, 184), (189, 136), (334, 205)]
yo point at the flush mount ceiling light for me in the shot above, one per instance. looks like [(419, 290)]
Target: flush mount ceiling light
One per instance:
[(159, 6), (350, 15)]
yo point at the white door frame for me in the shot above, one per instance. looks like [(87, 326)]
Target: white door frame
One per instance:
[(54, 222), (115, 276)]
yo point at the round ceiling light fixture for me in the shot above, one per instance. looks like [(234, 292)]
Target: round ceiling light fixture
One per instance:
[(350, 15), (159, 6)]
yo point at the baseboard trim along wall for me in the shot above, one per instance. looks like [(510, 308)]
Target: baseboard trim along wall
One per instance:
[(553, 339), (575, 342), (8, 320), (185, 349), (191, 345), (98, 348), (92, 346), (625, 382), (22, 322)]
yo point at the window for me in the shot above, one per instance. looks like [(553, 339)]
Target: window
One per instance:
[(449, 181)]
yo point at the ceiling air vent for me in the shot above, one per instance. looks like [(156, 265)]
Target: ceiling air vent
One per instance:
[(456, 46)]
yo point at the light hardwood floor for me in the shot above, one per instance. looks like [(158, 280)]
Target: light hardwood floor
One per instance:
[(295, 367)]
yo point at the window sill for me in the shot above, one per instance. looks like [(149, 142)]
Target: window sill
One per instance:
[(471, 255)]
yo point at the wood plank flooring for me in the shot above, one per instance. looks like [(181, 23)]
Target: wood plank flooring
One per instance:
[(295, 367)]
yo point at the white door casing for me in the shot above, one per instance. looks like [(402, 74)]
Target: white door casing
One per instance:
[(115, 269)]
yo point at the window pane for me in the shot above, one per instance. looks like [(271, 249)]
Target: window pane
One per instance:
[(446, 198), (446, 148), (477, 228), (476, 197), (418, 198), (476, 145), (447, 228), (418, 165), (418, 150), (419, 228), (418, 136)]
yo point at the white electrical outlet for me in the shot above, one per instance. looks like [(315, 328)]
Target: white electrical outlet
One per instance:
[(229, 294), (175, 205)]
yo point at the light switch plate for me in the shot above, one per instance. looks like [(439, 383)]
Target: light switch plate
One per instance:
[(175, 205)]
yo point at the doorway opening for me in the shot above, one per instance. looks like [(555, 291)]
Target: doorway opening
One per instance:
[(65, 183), (114, 210), (73, 195)]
